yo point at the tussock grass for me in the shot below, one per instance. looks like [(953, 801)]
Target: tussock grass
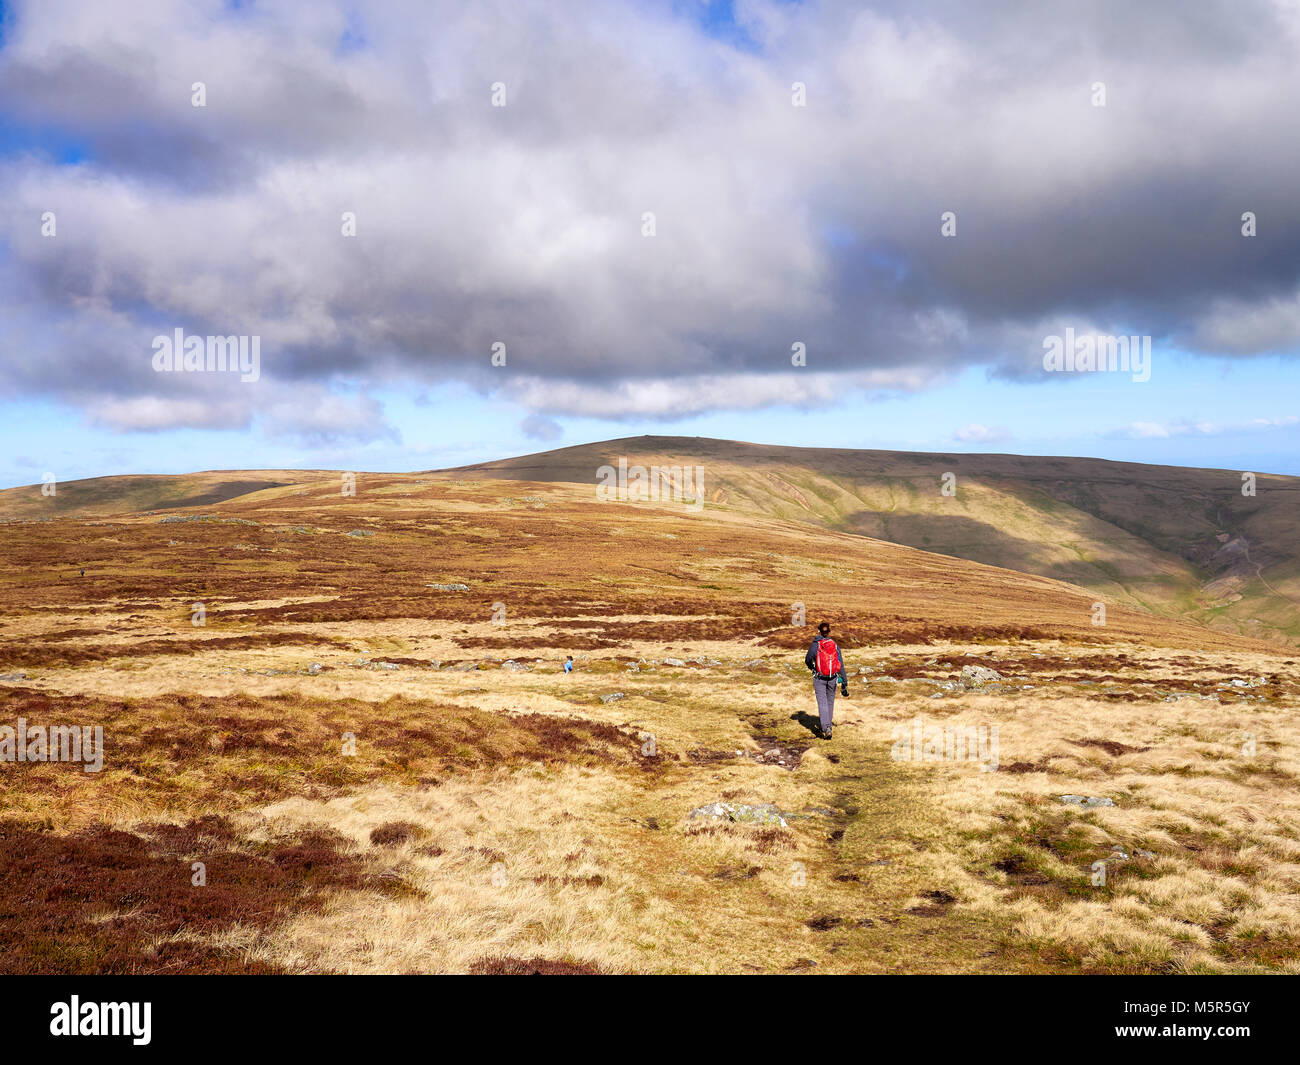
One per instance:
[(492, 820)]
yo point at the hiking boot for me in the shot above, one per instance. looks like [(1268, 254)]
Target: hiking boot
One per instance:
[(826, 733)]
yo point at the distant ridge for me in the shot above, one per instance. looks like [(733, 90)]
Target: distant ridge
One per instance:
[(1179, 541), (1175, 541)]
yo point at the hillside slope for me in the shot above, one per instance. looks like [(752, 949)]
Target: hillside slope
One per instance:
[(1175, 541), (140, 493), (352, 709), (1182, 543)]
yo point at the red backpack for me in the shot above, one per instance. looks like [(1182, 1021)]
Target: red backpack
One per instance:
[(828, 657)]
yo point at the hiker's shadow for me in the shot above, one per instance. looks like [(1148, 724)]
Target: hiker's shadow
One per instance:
[(812, 724)]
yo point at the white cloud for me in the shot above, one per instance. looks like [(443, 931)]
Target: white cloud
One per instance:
[(539, 427), (1145, 430), (522, 224), (687, 396), (982, 434)]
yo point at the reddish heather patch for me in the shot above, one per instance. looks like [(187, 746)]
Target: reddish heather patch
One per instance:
[(96, 901), (1111, 747)]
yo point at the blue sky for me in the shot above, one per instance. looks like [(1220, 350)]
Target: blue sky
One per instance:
[(525, 224), (456, 426)]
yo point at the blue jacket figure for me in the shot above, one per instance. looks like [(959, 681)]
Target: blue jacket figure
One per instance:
[(568, 664), (827, 665)]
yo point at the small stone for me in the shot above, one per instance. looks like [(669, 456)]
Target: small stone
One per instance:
[(762, 813), (612, 697), (975, 677)]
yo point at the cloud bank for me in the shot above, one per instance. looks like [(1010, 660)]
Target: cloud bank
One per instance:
[(525, 225)]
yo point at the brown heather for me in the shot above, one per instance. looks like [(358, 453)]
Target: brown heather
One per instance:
[(502, 821)]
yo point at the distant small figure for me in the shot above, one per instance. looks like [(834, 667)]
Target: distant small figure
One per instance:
[(827, 664), (568, 664), (83, 571)]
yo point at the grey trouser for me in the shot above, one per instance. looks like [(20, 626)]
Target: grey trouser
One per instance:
[(825, 689)]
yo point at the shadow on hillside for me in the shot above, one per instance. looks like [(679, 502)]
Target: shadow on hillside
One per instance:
[(957, 535), (219, 493)]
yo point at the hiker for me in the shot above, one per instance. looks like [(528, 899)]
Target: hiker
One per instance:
[(568, 664), (827, 664)]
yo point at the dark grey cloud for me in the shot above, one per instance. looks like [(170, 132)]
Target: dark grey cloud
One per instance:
[(522, 225)]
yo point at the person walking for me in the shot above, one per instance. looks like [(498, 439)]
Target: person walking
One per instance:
[(827, 665)]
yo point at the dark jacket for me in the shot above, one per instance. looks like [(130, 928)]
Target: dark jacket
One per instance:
[(810, 660)]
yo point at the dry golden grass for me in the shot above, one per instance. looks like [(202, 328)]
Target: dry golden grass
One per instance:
[(493, 820)]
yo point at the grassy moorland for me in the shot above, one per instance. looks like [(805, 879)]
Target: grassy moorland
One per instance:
[(371, 788), (1180, 542)]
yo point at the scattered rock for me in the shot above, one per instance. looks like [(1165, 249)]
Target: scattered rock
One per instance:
[(448, 587), (176, 519), (361, 532), (314, 668), (1086, 800), (673, 662), (612, 697), (761, 814), (976, 677), (513, 666)]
